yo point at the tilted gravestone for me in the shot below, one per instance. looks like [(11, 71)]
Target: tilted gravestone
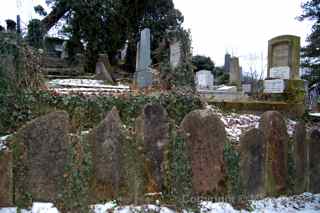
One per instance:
[(143, 75), (284, 57), (105, 141), (315, 161), (40, 157), (5, 179), (152, 131), (252, 162), (205, 137), (300, 157), (273, 125)]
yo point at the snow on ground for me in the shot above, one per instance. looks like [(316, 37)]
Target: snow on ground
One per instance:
[(3, 141), (304, 203)]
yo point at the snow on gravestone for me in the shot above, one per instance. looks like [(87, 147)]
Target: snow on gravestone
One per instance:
[(205, 137), (152, 129), (105, 141), (273, 125), (315, 161), (252, 162), (41, 160)]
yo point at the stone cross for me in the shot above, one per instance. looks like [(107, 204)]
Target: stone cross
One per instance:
[(284, 57), (143, 75)]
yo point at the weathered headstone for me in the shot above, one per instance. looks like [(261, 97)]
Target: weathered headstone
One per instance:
[(300, 157), (205, 137), (152, 130), (274, 86), (175, 54), (252, 162), (143, 74), (315, 161), (284, 57), (40, 158), (235, 74), (204, 80), (102, 72), (105, 141), (5, 179), (274, 128)]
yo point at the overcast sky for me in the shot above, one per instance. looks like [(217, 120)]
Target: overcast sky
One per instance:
[(240, 27)]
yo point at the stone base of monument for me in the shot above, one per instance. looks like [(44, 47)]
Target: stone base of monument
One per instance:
[(224, 95), (290, 91)]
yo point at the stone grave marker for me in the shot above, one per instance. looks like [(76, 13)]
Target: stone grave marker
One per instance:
[(284, 57), (105, 141), (175, 54), (205, 137), (247, 88), (6, 183), (143, 75), (315, 161), (273, 125), (152, 130), (204, 80), (235, 73), (252, 162), (41, 160), (274, 86), (300, 157)]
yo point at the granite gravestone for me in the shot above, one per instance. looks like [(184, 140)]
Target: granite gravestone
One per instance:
[(204, 80), (284, 57), (143, 75)]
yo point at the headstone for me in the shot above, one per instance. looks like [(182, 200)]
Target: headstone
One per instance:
[(247, 88), (273, 125), (175, 54), (143, 74), (235, 75), (102, 72), (284, 57), (274, 86), (152, 130), (204, 80), (315, 161), (300, 158), (5, 179), (64, 52), (205, 137), (105, 141), (40, 158), (252, 162)]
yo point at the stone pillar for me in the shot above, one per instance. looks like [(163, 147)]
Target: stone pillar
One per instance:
[(284, 57), (143, 75), (235, 75), (175, 54)]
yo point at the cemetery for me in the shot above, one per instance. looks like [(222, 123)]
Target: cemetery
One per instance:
[(143, 129)]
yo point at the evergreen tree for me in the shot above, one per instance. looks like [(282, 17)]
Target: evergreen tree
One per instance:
[(311, 53)]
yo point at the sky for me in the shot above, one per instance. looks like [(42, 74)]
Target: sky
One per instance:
[(239, 27)]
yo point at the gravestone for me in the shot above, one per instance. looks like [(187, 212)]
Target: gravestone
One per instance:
[(40, 158), (227, 59), (235, 73), (274, 86), (102, 72), (205, 137), (6, 179), (247, 88), (252, 162), (315, 161), (300, 157), (284, 57), (204, 80), (105, 141), (273, 125), (152, 131), (143, 75), (175, 54)]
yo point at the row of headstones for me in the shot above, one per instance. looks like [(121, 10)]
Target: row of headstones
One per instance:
[(39, 154)]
